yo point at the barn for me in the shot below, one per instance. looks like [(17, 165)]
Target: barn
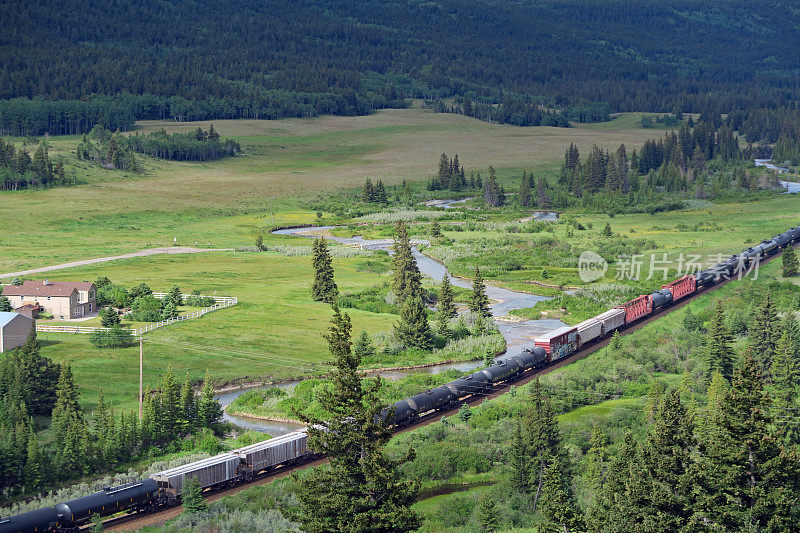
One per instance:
[(14, 330)]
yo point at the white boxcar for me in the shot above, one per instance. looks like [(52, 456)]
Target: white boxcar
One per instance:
[(273, 452), (589, 330), (611, 319), (208, 472)]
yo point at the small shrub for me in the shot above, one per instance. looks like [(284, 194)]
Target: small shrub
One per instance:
[(116, 337)]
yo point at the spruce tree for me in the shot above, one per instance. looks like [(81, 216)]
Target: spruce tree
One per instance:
[(209, 411), (764, 332), (35, 467), (667, 458), (361, 490), (607, 232), (188, 414), (363, 347), (368, 194), (436, 229), (518, 459), (479, 302), (109, 317), (379, 193), (192, 496), (487, 515), (446, 296), (407, 277), (789, 263), (718, 351), (324, 288), (412, 328), (5, 305), (745, 478), (524, 195), (175, 296), (550, 471), (785, 371)]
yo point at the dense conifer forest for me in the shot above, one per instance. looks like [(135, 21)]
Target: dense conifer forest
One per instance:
[(89, 62)]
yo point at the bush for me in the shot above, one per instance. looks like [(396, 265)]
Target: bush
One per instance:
[(116, 337), (113, 295), (146, 309), (109, 317), (196, 300)]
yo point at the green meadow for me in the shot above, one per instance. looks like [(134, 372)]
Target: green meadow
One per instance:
[(274, 332)]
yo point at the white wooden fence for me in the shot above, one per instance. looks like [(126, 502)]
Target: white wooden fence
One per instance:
[(220, 302)]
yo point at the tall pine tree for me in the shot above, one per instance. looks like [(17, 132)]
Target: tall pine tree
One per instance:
[(479, 302), (361, 490), (718, 351), (407, 277), (324, 288)]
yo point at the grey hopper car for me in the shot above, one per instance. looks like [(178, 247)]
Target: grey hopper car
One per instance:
[(208, 472), (44, 519), (107, 501), (273, 452)]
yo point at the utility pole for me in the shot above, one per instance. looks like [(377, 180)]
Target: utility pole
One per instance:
[(141, 357)]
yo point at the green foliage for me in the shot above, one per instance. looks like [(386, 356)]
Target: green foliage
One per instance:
[(29, 378), (479, 302), (407, 278), (169, 311), (764, 332), (259, 241), (5, 304), (198, 145), (109, 317), (412, 329), (324, 288), (362, 489), (789, 263), (146, 308), (445, 304), (192, 496), (607, 232), (115, 337), (719, 353), (487, 516), (174, 296), (465, 413)]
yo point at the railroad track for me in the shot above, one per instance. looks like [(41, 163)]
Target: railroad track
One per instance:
[(157, 518)]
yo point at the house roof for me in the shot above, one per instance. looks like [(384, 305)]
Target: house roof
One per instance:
[(46, 288), (6, 317)]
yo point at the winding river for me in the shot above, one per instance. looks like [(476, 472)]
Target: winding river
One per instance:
[(519, 334)]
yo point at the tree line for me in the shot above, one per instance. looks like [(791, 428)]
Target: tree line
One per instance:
[(199, 145), (18, 170), (32, 385)]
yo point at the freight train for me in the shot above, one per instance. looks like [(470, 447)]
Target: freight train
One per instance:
[(241, 465)]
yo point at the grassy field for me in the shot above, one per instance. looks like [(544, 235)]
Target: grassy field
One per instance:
[(273, 333), (205, 202)]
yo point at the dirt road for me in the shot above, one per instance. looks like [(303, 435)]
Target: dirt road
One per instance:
[(140, 253)]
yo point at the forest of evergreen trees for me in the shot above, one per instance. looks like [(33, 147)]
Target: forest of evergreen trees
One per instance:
[(64, 70), (18, 170), (31, 384)]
